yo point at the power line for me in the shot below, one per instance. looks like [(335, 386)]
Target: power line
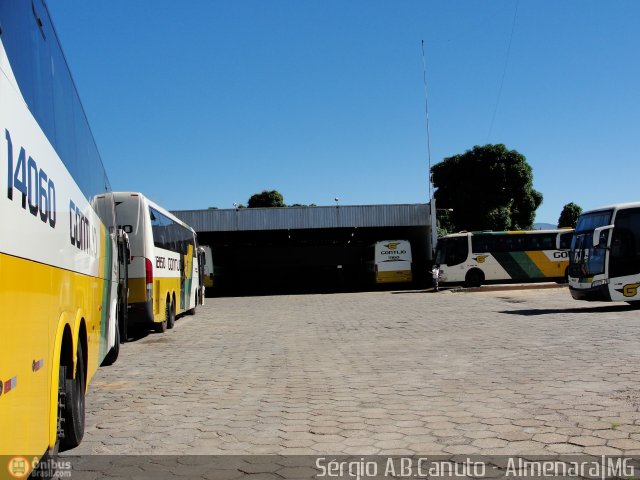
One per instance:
[(504, 72)]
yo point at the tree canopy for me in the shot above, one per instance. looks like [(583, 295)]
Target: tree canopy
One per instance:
[(266, 198), (488, 188), (569, 215)]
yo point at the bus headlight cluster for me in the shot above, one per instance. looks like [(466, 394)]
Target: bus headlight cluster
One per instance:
[(598, 283)]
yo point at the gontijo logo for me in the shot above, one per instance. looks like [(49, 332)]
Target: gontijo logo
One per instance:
[(392, 249), (630, 290), (18, 467), (481, 258)]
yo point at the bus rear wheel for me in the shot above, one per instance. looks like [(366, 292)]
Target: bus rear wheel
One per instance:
[(170, 315), (474, 278), (74, 391)]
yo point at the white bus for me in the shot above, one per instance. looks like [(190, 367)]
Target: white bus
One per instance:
[(389, 261), (474, 258), (605, 254), (207, 265), (59, 263), (164, 278)]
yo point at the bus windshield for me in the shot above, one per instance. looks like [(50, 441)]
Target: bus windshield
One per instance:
[(590, 221), (452, 251), (585, 259)]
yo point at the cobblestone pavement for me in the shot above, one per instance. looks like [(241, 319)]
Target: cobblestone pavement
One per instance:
[(501, 372)]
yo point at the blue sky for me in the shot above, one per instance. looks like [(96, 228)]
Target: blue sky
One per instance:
[(203, 103)]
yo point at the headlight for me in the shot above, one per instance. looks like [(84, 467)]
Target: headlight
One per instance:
[(598, 283)]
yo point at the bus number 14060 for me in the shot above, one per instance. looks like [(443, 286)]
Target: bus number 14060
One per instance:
[(37, 189)]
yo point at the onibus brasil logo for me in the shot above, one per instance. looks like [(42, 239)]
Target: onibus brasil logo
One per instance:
[(19, 467)]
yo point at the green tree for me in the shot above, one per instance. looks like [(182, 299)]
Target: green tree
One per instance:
[(569, 215), (266, 198), (443, 222), (488, 188)]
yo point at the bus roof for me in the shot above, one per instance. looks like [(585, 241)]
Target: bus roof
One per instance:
[(156, 206), (617, 206), (509, 232)]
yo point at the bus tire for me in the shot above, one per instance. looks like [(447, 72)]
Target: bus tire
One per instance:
[(74, 391), (160, 327), (170, 315), (474, 278), (112, 356)]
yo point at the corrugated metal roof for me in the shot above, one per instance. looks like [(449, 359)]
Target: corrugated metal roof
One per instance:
[(291, 218)]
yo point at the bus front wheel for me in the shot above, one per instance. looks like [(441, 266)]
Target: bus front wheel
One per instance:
[(474, 278)]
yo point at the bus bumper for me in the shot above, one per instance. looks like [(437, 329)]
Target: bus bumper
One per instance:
[(592, 294), (140, 313), (397, 276)]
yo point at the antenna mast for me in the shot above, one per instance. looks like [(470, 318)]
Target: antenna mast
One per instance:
[(426, 108)]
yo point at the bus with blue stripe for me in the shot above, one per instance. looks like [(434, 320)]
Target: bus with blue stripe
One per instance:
[(476, 258), (60, 250)]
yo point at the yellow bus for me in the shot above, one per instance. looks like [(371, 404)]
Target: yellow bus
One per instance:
[(389, 261), (59, 265), (164, 272)]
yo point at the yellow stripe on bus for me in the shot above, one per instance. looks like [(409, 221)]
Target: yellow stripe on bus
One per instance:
[(548, 267)]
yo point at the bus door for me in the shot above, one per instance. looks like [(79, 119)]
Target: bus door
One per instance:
[(200, 269), (186, 276)]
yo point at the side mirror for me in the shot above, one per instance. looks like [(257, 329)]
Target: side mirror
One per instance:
[(597, 232)]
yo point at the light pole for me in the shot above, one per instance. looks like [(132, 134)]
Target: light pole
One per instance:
[(235, 206)]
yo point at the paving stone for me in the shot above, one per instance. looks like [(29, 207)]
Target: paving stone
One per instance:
[(624, 444), (489, 443), (391, 444), (515, 436), (597, 451), (587, 441), (565, 448), (550, 438)]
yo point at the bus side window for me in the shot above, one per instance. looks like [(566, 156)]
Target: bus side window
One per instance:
[(565, 240), (625, 244), (479, 244), (532, 242), (548, 242), (622, 244)]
